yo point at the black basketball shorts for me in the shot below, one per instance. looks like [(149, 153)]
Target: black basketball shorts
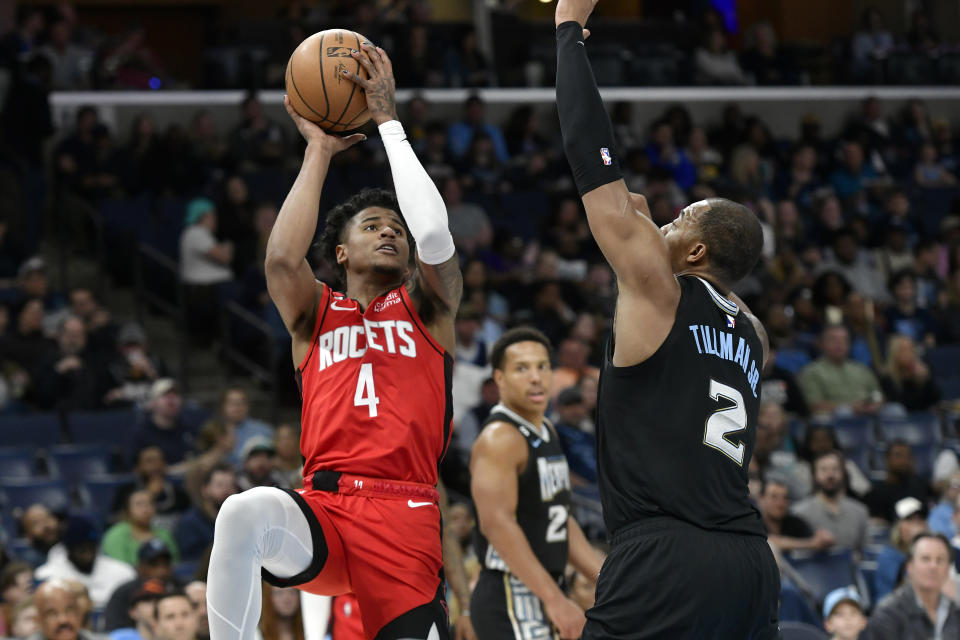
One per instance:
[(503, 608), (670, 580)]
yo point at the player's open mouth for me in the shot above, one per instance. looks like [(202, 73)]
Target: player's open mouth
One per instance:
[(537, 396), (387, 248)]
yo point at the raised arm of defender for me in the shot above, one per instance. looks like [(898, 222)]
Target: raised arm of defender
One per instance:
[(619, 221)]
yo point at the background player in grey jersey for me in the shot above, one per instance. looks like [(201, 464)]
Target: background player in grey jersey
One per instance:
[(521, 487), (678, 398)]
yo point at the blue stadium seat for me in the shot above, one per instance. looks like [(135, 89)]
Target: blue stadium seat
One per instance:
[(185, 570), (74, 463), (825, 571), (192, 416), (99, 492), (52, 493), (915, 429), (798, 430), (9, 527), (17, 463), (854, 432), (114, 428), (949, 387), (944, 361), (801, 631), (924, 455), (34, 430)]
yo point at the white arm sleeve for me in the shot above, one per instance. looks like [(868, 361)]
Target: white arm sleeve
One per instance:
[(420, 202)]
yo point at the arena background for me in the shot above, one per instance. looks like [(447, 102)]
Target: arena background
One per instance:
[(836, 122)]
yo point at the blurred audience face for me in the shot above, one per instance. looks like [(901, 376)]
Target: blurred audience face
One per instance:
[(167, 407), (144, 612), (40, 526), (221, 486), (26, 620), (846, 621), (20, 584), (828, 475), (572, 414), (460, 521), (72, 337), (197, 592), (853, 157), (489, 392), (236, 406), (905, 291), (286, 602), (176, 618), (61, 616), (929, 567), (525, 379), (237, 192), (258, 465), (771, 427), (573, 354), (899, 460), (150, 462), (82, 303), (910, 528), (140, 509), (835, 344), (287, 442), (774, 501), (30, 320)]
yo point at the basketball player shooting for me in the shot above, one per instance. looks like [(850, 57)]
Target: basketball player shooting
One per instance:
[(374, 365), (678, 396)]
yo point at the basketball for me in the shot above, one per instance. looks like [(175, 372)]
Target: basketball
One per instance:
[(315, 83)]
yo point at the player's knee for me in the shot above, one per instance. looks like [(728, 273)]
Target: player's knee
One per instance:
[(245, 513)]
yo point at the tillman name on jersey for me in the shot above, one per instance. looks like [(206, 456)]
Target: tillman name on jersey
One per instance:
[(717, 342), (352, 341)]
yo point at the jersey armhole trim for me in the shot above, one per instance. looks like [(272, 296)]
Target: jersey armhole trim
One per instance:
[(324, 299), (408, 305)]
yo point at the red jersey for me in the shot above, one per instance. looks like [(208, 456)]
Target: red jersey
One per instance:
[(376, 390)]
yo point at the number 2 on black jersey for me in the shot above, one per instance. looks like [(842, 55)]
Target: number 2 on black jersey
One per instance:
[(725, 421)]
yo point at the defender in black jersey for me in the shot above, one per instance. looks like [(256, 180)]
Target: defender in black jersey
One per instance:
[(521, 486), (678, 397)]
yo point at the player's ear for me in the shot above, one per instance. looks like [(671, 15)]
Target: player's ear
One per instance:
[(697, 253), (341, 250)]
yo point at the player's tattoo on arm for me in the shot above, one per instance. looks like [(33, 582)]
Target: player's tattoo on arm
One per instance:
[(437, 288), (380, 98)]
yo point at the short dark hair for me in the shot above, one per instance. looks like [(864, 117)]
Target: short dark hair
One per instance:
[(338, 217), (771, 480), (900, 275), (173, 593), (220, 467), (832, 453), (930, 535), (511, 337), (734, 239), (898, 442)]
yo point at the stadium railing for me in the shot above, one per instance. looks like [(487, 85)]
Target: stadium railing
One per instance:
[(170, 303), (244, 335)]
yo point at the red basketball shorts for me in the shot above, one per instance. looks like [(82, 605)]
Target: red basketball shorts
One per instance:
[(378, 539)]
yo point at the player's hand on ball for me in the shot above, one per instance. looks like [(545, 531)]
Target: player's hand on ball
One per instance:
[(313, 134), (380, 87), (567, 616), (576, 10)]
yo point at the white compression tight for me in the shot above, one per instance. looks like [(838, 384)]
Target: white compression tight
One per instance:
[(261, 527)]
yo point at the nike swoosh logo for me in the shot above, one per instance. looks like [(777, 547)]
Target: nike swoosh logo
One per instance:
[(580, 42), (414, 505), (333, 305)]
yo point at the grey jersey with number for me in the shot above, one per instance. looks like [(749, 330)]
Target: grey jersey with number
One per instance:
[(675, 433), (543, 497)]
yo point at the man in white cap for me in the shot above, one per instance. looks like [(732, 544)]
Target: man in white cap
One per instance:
[(163, 427), (259, 465)]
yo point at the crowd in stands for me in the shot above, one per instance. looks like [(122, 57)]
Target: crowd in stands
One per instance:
[(855, 462), (694, 46)]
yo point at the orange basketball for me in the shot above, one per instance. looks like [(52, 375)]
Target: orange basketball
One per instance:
[(317, 89)]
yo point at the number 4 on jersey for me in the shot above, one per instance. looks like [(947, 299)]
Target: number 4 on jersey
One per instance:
[(723, 422), (366, 394)]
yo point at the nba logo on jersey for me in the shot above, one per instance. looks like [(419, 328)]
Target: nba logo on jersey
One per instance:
[(605, 155), (731, 323)]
